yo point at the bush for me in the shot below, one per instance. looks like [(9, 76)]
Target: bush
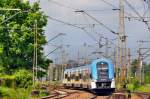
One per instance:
[(144, 88), (19, 93), (134, 85), (7, 80), (23, 78), (38, 85), (43, 93), (6, 92)]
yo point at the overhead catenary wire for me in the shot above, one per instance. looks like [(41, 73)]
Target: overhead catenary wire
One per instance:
[(62, 5), (114, 7), (134, 10), (137, 13), (146, 9), (66, 6), (72, 8), (75, 9), (69, 24), (53, 51), (102, 24)]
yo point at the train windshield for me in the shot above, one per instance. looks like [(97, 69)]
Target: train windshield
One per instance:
[(102, 71)]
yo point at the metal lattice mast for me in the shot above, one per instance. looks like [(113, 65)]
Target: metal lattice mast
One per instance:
[(122, 40)]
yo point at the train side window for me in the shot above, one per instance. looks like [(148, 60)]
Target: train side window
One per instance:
[(66, 76), (70, 76), (80, 76), (115, 75), (73, 76), (76, 78), (90, 76)]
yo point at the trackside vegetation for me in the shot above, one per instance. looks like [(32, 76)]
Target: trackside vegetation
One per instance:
[(17, 35)]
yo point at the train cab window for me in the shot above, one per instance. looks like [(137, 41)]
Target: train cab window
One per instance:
[(102, 70), (102, 65)]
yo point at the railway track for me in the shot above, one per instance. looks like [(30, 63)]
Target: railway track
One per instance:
[(61, 93), (74, 94), (78, 94), (143, 95)]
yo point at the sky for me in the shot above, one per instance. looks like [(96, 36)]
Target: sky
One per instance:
[(77, 43)]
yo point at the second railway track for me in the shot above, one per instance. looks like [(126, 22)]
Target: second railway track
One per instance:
[(61, 93)]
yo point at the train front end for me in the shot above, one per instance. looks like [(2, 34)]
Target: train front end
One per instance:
[(102, 71)]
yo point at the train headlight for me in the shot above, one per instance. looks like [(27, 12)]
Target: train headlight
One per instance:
[(102, 63)]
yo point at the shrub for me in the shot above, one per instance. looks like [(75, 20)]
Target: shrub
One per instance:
[(7, 80), (19, 93), (38, 85), (134, 85), (6, 92), (23, 78)]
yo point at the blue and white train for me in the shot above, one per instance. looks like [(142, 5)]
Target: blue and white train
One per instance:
[(97, 76)]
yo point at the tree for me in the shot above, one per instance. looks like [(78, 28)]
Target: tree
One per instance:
[(134, 66), (146, 70), (17, 35)]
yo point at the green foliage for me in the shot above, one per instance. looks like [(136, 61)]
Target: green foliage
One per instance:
[(17, 35), (134, 66), (6, 92), (20, 93), (38, 85), (144, 88), (43, 93), (146, 71), (7, 80), (134, 85), (23, 78)]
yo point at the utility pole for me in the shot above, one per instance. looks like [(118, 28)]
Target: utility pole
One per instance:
[(143, 54), (122, 40), (118, 62), (85, 54), (129, 65), (107, 48), (139, 70)]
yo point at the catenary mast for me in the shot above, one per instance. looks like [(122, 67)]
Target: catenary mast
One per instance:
[(122, 42)]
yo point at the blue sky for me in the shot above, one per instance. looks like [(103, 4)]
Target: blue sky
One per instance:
[(76, 38)]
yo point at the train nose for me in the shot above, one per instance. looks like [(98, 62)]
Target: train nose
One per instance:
[(113, 83)]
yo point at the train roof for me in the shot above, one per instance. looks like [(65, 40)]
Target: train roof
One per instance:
[(88, 65), (102, 60), (78, 68)]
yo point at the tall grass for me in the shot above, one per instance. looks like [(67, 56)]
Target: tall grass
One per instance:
[(19, 93)]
